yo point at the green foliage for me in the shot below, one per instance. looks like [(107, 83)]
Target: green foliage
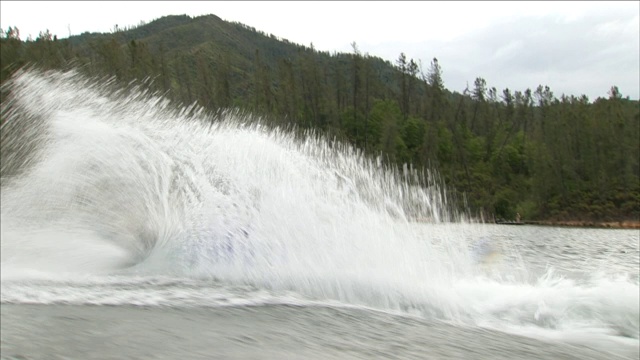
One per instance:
[(505, 152)]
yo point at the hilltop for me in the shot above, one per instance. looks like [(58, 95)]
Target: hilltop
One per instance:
[(501, 151)]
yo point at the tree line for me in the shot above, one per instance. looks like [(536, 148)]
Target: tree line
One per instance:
[(503, 151)]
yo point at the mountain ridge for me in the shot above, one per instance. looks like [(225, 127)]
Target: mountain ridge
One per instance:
[(504, 152)]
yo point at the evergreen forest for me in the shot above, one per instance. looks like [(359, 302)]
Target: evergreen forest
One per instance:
[(503, 151)]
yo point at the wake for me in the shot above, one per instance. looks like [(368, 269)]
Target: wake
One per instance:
[(100, 183)]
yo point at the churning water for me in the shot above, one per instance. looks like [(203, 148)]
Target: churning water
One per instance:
[(113, 197)]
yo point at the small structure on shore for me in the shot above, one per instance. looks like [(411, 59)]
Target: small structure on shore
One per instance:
[(517, 221)]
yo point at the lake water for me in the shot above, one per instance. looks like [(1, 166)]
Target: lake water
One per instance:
[(131, 230), (578, 300)]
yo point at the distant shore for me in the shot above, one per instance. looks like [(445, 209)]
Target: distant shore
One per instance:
[(626, 224)]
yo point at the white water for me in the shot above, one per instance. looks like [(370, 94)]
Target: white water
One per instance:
[(114, 198)]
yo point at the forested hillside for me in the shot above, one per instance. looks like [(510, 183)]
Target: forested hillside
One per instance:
[(530, 151)]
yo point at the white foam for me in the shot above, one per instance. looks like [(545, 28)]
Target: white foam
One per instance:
[(123, 181)]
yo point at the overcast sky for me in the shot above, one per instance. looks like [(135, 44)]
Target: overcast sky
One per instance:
[(573, 47)]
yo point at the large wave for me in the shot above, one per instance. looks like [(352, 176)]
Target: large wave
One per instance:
[(120, 183)]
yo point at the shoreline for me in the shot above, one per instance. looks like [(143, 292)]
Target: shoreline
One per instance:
[(626, 224)]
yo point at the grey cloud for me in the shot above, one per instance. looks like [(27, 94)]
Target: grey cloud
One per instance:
[(585, 56)]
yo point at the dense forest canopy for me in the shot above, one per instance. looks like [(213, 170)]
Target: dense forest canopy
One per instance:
[(504, 151)]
